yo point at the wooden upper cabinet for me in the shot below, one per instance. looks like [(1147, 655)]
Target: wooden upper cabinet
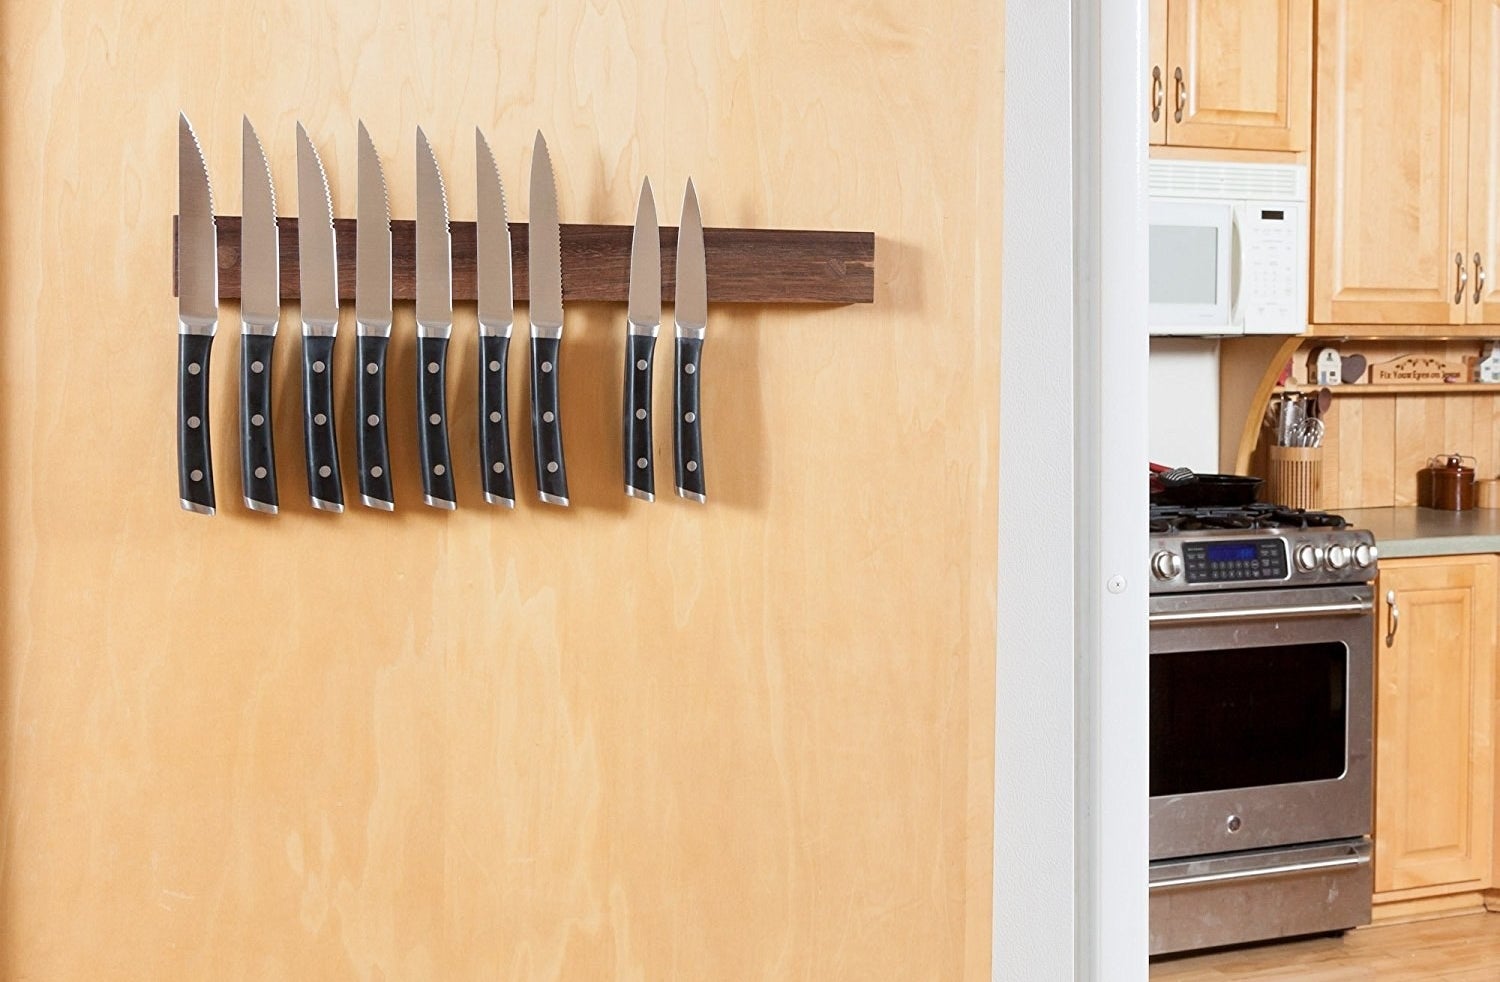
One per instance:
[(1240, 73), (1434, 768), (1156, 92), (1484, 162), (1390, 163), (1235, 74)]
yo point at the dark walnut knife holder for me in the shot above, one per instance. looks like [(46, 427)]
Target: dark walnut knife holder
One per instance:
[(745, 265)]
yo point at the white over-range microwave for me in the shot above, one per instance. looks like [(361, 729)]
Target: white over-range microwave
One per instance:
[(1228, 248)]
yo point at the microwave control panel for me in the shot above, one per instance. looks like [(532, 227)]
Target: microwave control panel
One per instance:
[(1273, 286)]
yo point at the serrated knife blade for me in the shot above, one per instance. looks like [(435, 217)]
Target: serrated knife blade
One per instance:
[(315, 244), (544, 268), (644, 318), (434, 246), (197, 320), (260, 255), (372, 243), (260, 315), (434, 326), (372, 315), (320, 324), (496, 316), (496, 286)]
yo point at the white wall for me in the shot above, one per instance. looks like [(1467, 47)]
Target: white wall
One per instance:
[(1035, 867), (1183, 395), (1071, 663)]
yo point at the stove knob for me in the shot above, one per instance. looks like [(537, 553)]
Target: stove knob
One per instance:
[(1166, 565), (1365, 555), (1309, 557), (1338, 557)]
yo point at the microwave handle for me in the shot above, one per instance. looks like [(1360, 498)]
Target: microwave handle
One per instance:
[(1236, 261)]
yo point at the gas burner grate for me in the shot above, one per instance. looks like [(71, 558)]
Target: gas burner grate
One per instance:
[(1171, 518)]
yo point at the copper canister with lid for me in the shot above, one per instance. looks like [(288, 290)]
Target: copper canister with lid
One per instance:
[(1447, 482)]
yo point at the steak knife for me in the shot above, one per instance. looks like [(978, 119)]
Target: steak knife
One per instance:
[(644, 318), (544, 269), (260, 315), (320, 325), (434, 327), (372, 315), (691, 310), (496, 319), (197, 320)]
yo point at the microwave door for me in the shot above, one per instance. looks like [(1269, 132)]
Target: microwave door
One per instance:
[(1190, 259)]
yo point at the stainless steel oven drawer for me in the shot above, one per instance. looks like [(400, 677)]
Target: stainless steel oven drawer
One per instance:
[(1233, 898)]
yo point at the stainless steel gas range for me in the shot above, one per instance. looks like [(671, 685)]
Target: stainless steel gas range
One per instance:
[(1262, 634)]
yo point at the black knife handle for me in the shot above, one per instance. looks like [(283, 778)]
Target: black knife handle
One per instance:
[(689, 420), (374, 452), (257, 450), (324, 483), (494, 421), (195, 464), (546, 422), (640, 468), (432, 422)]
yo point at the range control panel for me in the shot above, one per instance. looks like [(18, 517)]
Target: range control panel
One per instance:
[(1237, 559), (1224, 562)]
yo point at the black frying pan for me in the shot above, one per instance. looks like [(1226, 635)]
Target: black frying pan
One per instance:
[(1208, 490)]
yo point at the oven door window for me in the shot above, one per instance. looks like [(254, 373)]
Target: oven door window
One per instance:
[(1248, 717)]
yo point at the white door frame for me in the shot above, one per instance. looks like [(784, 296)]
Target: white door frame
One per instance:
[(1071, 681)]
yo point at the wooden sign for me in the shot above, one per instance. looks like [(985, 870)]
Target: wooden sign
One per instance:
[(1417, 369)]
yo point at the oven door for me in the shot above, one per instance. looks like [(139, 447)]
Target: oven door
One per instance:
[(1261, 714)]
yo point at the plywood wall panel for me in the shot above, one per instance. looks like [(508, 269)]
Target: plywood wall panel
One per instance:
[(1344, 435), (1377, 444), (751, 740)]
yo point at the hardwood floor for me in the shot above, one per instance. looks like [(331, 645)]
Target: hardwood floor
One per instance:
[(1453, 949)]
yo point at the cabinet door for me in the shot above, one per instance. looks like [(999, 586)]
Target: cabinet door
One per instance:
[(1390, 162), (1245, 71), (1484, 159), (1433, 708), (1158, 93)]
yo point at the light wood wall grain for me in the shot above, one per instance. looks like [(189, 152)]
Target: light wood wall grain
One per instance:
[(1376, 443), (745, 741)]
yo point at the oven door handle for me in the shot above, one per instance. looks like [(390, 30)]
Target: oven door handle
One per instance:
[(1287, 869), (1352, 608)]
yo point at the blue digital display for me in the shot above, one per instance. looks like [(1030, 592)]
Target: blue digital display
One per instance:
[(1231, 553)]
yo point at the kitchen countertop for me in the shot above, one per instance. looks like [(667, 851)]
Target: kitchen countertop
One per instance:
[(1415, 531)]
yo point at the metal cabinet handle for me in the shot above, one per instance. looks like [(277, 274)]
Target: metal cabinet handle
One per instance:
[(1463, 278), (1158, 93), (1478, 277), (1181, 95), (1390, 601)]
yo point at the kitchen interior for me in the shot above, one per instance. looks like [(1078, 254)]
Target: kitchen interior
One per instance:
[(1324, 234)]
